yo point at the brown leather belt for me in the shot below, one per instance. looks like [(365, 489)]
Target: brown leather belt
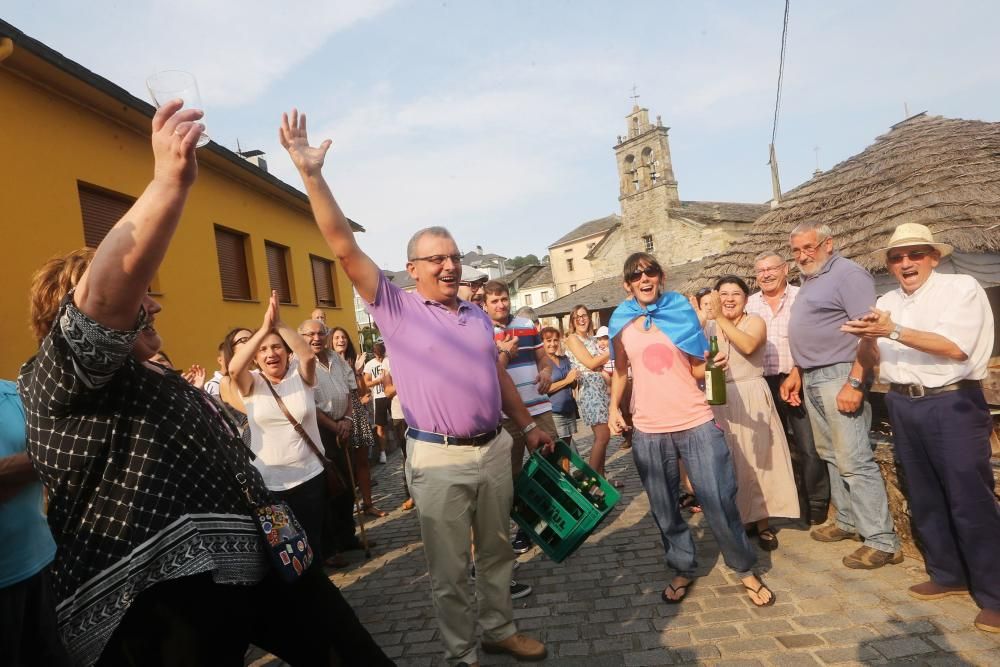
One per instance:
[(919, 391)]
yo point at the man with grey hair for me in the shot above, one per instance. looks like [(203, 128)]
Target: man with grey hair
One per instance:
[(773, 304), (834, 291), (447, 367)]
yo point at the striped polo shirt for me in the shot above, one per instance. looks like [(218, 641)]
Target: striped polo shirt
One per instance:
[(523, 368)]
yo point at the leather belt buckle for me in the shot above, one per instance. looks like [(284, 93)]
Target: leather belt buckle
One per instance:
[(915, 391)]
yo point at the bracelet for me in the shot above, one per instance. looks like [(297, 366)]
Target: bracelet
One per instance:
[(529, 428)]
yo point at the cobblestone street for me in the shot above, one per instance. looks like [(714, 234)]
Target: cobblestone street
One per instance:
[(602, 605)]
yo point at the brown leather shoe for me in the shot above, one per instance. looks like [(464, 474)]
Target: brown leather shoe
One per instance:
[(831, 533), (931, 591), (520, 646), (866, 558), (988, 620)]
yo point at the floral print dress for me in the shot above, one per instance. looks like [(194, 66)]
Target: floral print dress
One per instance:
[(592, 397)]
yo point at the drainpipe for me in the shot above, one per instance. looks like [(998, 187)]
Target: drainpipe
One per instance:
[(6, 48)]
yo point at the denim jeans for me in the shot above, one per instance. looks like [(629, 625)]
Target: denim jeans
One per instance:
[(710, 468), (856, 484)]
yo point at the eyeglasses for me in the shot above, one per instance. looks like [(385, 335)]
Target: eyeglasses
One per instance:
[(914, 255), (241, 341), (809, 249), (649, 272), (313, 334), (771, 269), (438, 259), (582, 316)]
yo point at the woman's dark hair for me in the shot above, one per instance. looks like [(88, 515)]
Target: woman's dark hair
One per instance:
[(702, 292), (733, 280), (637, 259), (572, 318), (349, 353), (228, 346)]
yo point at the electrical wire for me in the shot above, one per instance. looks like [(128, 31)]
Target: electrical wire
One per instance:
[(781, 73)]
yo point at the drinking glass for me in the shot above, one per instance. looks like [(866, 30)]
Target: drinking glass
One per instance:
[(172, 84)]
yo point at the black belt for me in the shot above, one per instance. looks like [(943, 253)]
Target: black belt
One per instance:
[(919, 391), (462, 441)]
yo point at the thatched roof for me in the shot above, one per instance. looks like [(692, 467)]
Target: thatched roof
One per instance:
[(940, 172)]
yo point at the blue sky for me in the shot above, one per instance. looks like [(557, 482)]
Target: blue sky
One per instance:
[(497, 119)]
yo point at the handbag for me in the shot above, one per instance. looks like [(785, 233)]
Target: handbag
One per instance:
[(361, 429), (334, 480)]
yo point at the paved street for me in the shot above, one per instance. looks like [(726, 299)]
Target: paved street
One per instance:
[(602, 605)]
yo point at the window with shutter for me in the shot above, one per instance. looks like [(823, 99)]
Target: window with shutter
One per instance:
[(230, 246), (100, 209), (277, 270), (323, 279)]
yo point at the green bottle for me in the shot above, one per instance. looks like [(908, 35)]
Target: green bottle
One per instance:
[(715, 377)]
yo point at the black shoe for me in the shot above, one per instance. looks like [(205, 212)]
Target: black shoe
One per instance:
[(519, 590), (817, 517), (522, 543)]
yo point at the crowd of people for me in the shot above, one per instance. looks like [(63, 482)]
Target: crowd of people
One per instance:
[(154, 476)]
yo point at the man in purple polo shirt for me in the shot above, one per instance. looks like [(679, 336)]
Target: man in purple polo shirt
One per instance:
[(835, 290), (458, 457)]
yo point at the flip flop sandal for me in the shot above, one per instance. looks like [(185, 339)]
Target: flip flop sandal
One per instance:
[(678, 589), (756, 591)]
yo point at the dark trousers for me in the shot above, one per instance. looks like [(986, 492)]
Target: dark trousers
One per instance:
[(399, 426), (811, 476), (193, 621), (29, 633), (308, 502), (943, 445), (338, 533)]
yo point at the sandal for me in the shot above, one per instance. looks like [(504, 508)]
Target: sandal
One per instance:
[(678, 589), (689, 502), (375, 512), (756, 591), (767, 540)]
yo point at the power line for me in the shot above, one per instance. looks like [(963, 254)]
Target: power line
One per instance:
[(781, 73)]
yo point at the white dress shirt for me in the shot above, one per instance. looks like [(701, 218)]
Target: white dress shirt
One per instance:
[(953, 306)]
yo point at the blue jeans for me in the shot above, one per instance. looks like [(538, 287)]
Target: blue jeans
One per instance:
[(710, 468), (856, 484)]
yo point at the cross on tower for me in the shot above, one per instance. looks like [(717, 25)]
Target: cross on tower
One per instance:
[(635, 96)]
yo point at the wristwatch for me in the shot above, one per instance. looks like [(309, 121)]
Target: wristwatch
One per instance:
[(854, 382), (529, 428), (896, 332)]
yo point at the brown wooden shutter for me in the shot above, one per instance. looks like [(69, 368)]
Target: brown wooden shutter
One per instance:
[(101, 211), (277, 271), (231, 249), (322, 271)]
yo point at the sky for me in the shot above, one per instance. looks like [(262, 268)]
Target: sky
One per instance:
[(498, 119)]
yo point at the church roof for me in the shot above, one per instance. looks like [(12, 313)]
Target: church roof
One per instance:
[(715, 211), (940, 172), (589, 228)]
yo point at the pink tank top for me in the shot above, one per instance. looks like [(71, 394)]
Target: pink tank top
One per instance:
[(665, 396)]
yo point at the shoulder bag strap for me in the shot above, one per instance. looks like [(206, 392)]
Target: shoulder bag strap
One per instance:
[(296, 425)]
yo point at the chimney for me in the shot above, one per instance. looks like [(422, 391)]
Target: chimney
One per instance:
[(256, 158), (479, 249)]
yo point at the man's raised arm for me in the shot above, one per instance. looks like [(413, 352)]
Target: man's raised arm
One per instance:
[(358, 266)]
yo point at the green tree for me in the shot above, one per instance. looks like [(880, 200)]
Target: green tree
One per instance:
[(522, 260)]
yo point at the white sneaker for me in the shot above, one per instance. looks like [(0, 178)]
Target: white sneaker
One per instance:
[(381, 457)]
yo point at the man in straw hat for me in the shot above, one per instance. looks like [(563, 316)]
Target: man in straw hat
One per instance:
[(932, 339)]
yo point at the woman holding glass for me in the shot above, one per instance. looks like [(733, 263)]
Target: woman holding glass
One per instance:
[(592, 396), (756, 439)]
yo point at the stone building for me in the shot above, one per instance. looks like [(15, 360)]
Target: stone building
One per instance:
[(653, 217), (571, 269)]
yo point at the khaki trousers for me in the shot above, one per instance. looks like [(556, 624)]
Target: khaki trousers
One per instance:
[(457, 489)]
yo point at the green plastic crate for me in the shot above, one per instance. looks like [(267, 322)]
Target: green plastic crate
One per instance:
[(554, 508)]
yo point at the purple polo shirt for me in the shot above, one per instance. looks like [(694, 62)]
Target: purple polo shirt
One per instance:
[(443, 363), (842, 290)]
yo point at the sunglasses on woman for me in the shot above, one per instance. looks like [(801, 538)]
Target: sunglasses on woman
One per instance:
[(649, 272)]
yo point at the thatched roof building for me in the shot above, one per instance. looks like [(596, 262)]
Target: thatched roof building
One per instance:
[(940, 172)]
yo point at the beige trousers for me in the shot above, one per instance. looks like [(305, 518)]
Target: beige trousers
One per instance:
[(457, 489)]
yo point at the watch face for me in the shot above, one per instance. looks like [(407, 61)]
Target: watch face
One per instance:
[(894, 335)]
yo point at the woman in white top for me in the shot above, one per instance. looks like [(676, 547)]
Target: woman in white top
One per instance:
[(285, 460)]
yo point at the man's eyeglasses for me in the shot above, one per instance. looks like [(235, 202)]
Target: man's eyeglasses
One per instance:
[(438, 259), (914, 255), (241, 341), (769, 269), (313, 334), (649, 272)]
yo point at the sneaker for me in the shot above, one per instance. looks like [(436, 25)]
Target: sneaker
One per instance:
[(866, 558), (931, 591), (381, 457), (831, 533), (518, 591), (520, 646), (521, 543)]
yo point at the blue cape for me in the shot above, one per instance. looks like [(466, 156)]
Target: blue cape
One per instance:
[(672, 314)]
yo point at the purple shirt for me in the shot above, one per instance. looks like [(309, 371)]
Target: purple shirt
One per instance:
[(842, 290), (444, 363)]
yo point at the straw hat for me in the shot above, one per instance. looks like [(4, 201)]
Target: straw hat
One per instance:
[(913, 234)]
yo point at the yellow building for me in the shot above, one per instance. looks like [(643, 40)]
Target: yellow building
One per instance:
[(76, 153)]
